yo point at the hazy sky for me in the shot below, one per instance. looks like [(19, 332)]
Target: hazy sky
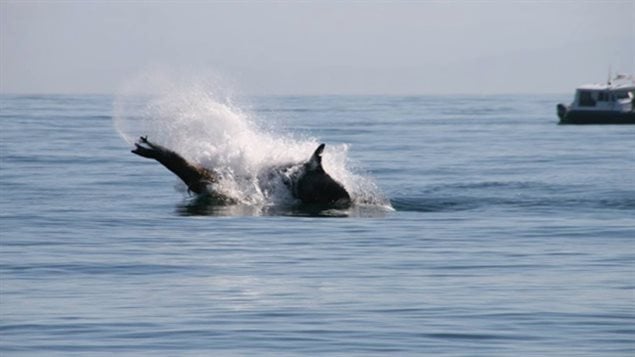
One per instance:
[(318, 47)]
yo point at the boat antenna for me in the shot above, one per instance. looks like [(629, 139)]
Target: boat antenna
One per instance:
[(609, 80)]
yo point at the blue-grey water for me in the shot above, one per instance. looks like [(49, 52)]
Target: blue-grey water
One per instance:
[(508, 236)]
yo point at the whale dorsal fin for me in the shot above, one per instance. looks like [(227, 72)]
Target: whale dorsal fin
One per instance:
[(315, 162)]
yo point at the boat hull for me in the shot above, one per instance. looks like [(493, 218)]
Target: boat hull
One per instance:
[(586, 117)]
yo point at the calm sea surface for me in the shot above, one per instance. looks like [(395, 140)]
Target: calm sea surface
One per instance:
[(510, 236)]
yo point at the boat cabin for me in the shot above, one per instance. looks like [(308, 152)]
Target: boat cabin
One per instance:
[(604, 97)]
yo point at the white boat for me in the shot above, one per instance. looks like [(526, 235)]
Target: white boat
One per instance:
[(610, 103)]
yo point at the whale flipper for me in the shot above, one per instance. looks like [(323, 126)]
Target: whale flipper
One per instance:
[(196, 178)]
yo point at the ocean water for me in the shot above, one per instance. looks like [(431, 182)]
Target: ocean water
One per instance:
[(481, 228)]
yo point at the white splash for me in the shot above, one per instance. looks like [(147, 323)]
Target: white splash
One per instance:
[(199, 121)]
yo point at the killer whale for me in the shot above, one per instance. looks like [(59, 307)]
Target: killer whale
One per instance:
[(308, 182)]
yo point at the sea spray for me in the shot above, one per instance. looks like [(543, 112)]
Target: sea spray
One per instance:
[(198, 119)]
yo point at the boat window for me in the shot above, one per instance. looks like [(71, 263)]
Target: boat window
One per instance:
[(622, 95), (586, 100), (606, 97)]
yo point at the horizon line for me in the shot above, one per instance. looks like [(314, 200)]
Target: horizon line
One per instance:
[(422, 94)]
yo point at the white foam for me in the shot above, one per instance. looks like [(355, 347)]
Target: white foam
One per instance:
[(199, 121)]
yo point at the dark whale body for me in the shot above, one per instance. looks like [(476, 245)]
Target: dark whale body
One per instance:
[(314, 186), (307, 182)]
